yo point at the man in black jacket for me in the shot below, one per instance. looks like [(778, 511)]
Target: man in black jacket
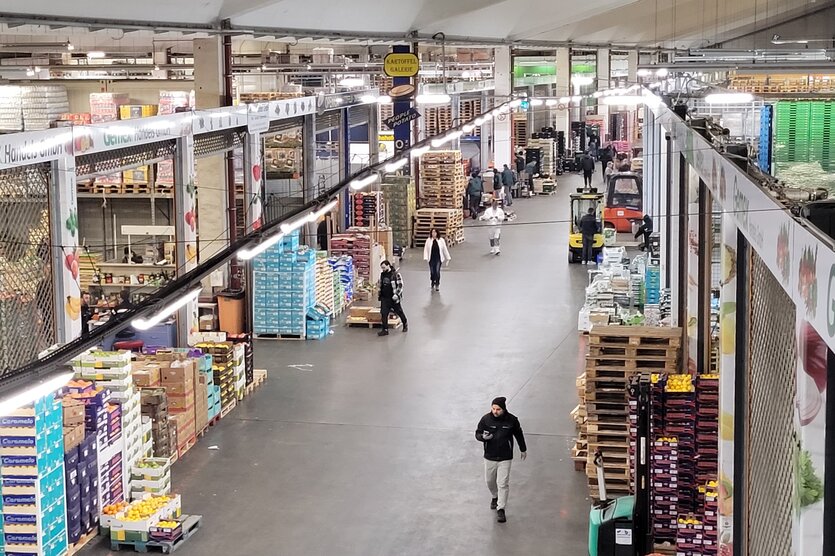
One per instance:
[(587, 163), (497, 430), (589, 228)]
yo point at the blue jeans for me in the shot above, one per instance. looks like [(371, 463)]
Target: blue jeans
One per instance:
[(508, 195)]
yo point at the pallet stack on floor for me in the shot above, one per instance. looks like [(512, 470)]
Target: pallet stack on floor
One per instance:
[(443, 182), (357, 247), (580, 450), (367, 209), (325, 282), (616, 353), (448, 222), (400, 203)]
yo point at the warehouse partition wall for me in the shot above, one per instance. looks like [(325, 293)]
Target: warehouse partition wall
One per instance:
[(27, 302), (771, 448)]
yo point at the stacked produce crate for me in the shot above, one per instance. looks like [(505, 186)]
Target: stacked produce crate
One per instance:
[(548, 158), (616, 353), (680, 422), (285, 289), (358, 248), (707, 429), (155, 406), (367, 209), (239, 366), (448, 222), (324, 282), (399, 199), (223, 371), (34, 504), (344, 287), (178, 381), (42, 105)]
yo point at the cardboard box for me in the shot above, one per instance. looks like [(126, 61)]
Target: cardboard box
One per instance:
[(73, 412), (148, 376), (183, 373), (177, 403), (73, 436)]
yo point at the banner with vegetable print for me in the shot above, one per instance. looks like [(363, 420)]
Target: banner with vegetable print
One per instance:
[(810, 423)]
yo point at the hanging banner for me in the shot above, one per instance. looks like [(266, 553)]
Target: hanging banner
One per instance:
[(401, 64), (401, 94), (258, 117), (402, 118)]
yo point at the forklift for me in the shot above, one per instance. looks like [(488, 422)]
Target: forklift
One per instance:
[(581, 202), (623, 526)]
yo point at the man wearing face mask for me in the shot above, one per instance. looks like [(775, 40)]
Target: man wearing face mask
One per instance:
[(496, 431), (391, 293)]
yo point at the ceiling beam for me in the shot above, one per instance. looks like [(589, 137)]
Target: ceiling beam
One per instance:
[(97, 24)]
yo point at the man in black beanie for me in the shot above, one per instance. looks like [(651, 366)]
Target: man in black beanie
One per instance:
[(496, 431)]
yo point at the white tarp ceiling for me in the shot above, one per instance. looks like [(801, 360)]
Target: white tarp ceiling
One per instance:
[(672, 23)]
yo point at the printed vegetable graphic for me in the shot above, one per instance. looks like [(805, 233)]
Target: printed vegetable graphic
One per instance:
[(72, 222), (728, 264), (256, 172), (783, 253), (808, 280), (809, 485)]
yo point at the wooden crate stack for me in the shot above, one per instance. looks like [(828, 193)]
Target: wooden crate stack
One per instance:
[(442, 180), (324, 282), (470, 109), (448, 222), (616, 353), (399, 200), (438, 119)]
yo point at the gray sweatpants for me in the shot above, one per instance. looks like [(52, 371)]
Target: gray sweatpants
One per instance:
[(497, 475)]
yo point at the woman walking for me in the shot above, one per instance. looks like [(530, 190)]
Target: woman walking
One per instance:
[(435, 251)]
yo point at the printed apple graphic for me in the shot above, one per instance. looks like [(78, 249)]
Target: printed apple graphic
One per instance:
[(190, 220), (71, 262), (256, 173), (256, 225)]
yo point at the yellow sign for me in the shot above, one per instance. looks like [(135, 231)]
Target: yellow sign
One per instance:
[(401, 65)]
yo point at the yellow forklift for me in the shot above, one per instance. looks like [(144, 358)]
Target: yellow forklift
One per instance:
[(581, 202)]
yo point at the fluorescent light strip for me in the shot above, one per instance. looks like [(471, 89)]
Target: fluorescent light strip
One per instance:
[(384, 99), (33, 393), (289, 227), (433, 99), (247, 254), (565, 100), (468, 128), (362, 183), (551, 102), (447, 138), (729, 98), (515, 103), (537, 102), (419, 151), (396, 165), (142, 323), (623, 100)]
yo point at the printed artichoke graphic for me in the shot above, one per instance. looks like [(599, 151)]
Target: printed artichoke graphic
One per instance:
[(72, 222)]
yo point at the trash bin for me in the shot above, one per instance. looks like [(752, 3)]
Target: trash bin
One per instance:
[(230, 308)]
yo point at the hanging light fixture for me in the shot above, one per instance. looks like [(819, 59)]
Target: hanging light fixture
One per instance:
[(247, 254), (362, 183), (729, 98), (396, 165), (33, 392), (142, 323)]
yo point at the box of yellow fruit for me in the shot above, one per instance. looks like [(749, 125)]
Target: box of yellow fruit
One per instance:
[(166, 530), (135, 520), (149, 469)]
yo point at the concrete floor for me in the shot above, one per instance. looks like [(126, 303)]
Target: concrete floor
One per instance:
[(371, 450)]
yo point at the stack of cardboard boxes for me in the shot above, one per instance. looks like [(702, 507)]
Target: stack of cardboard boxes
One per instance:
[(155, 406), (178, 381)]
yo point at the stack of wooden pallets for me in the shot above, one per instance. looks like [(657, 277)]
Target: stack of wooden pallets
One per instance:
[(448, 222), (616, 353), (442, 180)]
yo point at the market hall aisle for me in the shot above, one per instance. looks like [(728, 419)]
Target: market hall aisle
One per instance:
[(371, 451)]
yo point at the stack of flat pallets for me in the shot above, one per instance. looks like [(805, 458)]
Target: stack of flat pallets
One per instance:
[(448, 222), (442, 180), (616, 353)]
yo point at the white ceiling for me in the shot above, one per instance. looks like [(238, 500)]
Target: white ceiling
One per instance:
[(678, 23)]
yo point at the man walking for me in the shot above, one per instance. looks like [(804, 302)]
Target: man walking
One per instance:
[(475, 188), (496, 431), (588, 227), (495, 216), (391, 293), (507, 182), (587, 163)]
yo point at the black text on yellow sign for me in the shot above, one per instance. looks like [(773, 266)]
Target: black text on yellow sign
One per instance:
[(401, 65)]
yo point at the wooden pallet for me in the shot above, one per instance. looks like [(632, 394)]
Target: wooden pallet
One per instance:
[(635, 336), (190, 525), (616, 362), (183, 449), (224, 411), (356, 323), (279, 336), (83, 541), (259, 376), (603, 349)]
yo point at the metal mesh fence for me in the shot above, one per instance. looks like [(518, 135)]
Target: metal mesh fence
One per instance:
[(27, 312), (210, 144), (109, 162), (770, 436)]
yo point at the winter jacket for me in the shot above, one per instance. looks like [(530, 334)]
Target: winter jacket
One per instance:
[(588, 164), (520, 164), (427, 250), (475, 187), (507, 177), (497, 179), (390, 286), (588, 225), (504, 430)]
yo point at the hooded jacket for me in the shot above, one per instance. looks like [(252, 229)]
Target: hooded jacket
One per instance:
[(504, 429)]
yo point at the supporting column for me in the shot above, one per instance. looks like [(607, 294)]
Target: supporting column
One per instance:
[(487, 132), (64, 229), (253, 176), (211, 171), (373, 134), (563, 89), (727, 376), (632, 66), (502, 136), (308, 157), (603, 82), (185, 227)]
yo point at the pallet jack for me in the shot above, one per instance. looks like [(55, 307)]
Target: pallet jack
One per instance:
[(621, 526)]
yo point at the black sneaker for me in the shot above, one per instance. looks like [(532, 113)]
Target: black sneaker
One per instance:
[(494, 503), (405, 328), (500, 517), (383, 333)]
